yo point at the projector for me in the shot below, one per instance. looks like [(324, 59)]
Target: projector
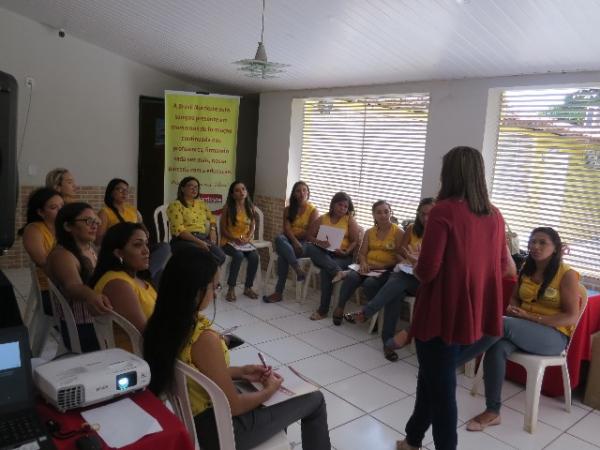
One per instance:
[(83, 380)]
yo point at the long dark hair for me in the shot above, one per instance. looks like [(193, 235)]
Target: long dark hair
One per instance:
[(463, 176), (182, 184), (182, 287), (293, 201), (419, 226), (230, 204), (67, 215), (340, 197), (108, 198), (37, 200), (553, 265), (115, 238)]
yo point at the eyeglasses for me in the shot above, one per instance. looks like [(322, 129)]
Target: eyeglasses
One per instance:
[(89, 221), (121, 190)]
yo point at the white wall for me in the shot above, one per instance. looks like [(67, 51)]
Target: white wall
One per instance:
[(457, 116), (84, 110)]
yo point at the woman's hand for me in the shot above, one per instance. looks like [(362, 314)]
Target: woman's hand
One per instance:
[(340, 253), (364, 268), (298, 249), (255, 372), (203, 245), (212, 235), (519, 313), (322, 244), (98, 304), (272, 383)]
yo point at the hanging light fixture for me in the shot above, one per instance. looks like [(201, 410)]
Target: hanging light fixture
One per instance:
[(260, 67)]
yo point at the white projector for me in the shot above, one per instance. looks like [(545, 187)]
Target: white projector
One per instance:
[(83, 380)]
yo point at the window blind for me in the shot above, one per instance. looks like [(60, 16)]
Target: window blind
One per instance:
[(547, 168), (371, 148)]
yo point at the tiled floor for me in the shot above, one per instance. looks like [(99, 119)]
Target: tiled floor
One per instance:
[(370, 399)]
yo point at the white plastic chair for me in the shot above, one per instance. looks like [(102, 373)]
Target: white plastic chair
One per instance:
[(221, 409), (62, 310), (38, 323), (104, 327), (535, 366), (161, 220), (270, 275)]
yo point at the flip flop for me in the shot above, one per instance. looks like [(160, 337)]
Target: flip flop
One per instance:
[(316, 316), (476, 425)]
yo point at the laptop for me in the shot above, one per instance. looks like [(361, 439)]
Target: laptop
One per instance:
[(20, 425)]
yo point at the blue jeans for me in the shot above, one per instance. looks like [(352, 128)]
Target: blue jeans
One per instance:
[(370, 285), (519, 334), (236, 262), (214, 250), (287, 258), (329, 265)]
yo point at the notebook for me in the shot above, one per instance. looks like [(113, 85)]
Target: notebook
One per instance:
[(334, 235), (20, 425)]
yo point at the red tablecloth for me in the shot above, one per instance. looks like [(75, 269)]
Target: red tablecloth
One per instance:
[(579, 350), (173, 437)]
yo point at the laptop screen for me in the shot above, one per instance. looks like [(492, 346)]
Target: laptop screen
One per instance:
[(15, 369)]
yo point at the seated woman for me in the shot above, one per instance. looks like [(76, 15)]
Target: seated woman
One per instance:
[(38, 234), (292, 244), (119, 275), (179, 330), (332, 264), (378, 252), (187, 220), (398, 286), (237, 229), (70, 265), (540, 318), (62, 181), (117, 210)]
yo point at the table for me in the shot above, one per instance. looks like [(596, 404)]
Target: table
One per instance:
[(580, 350), (173, 437)]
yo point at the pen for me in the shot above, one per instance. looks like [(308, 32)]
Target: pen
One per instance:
[(229, 330), (262, 360)]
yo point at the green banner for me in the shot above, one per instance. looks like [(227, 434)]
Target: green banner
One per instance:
[(200, 141)]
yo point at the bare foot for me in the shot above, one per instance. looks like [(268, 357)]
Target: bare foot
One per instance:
[(399, 340), (230, 296), (339, 276)]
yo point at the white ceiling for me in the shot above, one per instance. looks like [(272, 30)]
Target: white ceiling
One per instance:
[(335, 42)]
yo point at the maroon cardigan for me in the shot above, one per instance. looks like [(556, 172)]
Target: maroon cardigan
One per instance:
[(463, 257)]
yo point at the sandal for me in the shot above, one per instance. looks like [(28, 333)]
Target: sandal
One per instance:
[(337, 318), (399, 340), (316, 316), (273, 298), (230, 296), (403, 445), (475, 423), (355, 317), (390, 354), (339, 276), (248, 292)]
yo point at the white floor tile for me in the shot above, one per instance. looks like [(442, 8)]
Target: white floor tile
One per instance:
[(468, 440), (249, 355), (509, 389), (298, 323), (326, 339), (258, 332), (339, 411), (355, 331), (294, 435), (588, 429), (361, 356), (288, 350), (399, 374), (366, 392), (468, 405), (305, 307), (267, 311), (324, 369), (397, 414), (234, 317), (566, 441), (364, 433)]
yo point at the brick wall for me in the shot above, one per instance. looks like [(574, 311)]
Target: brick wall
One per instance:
[(17, 257)]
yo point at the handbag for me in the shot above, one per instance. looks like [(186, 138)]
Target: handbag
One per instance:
[(512, 239)]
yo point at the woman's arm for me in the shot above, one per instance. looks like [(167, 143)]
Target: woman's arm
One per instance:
[(102, 227), (363, 253), (353, 237), (125, 302), (403, 252), (225, 227), (313, 230), (34, 246), (207, 355)]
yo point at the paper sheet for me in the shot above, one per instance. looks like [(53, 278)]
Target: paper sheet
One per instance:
[(372, 273), (291, 387), (402, 267), (122, 422), (334, 235), (243, 248)]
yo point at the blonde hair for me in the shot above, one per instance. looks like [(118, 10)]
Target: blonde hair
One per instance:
[(54, 178)]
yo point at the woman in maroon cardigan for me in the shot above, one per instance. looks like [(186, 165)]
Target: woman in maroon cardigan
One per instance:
[(459, 303)]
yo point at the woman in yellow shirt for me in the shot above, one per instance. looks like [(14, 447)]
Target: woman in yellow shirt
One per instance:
[(379, 251), (121, 274), (292, 244), (332, 263), (188, 216), (237, 230), (62, 181), (179, 330), (540, 318)]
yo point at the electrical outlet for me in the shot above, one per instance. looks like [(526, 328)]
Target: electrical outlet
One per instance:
[(29, 81)]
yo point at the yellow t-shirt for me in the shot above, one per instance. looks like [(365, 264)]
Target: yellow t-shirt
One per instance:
[(199, 399), (549, 304), (146, 296), (129, 214), (192, 219), (241, 227), (382, 251), (48, 242), (414, 241), (300, 223), (343, 223)]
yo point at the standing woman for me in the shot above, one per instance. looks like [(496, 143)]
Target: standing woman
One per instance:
[(237, 229), (62, 181), (332, 264), (291, 244), (187, 220), (459, 302), (70, 266)]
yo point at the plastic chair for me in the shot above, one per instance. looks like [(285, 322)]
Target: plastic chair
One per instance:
[(38, 323), (221, 408), (535, 366), (62, 310), (161, 220), (104, 327)]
